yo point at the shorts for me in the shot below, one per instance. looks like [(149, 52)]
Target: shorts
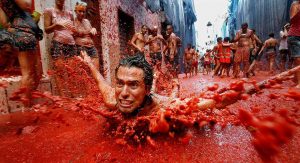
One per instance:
[(294, 46), (195, 64), (139, 53), (27, 33), (155, 57), (252, 56), (6, 38), (206, 64), (188, 66), (91, 51), (284, 54), (173, 63), (62, 50), (25, 41)]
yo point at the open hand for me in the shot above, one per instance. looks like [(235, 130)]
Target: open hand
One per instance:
[(85, 58)]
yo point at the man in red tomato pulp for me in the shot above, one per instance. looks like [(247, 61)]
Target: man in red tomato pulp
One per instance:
[(134, 93)]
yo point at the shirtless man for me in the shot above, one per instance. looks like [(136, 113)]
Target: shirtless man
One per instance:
[(254, 53), (242, 54), (270, 46), (195, 62), (171, 51), (217, 55), (188, 59), (156, 42), (207, 60), (133, 94), (138, 40)]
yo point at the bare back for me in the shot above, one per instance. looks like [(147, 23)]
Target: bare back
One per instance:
[(271, 42)]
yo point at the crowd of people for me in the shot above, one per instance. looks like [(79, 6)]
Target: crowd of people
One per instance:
[(246, 50)]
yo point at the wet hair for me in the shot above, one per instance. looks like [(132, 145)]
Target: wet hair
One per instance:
[(219, 39), (244, 24), (170, 26), (271, 35), (226, 39), (138, 61), (144, 26)]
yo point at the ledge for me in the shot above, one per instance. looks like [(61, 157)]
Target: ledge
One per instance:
[(13, 84)]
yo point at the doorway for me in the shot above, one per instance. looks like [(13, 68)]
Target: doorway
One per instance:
[(126, 31)]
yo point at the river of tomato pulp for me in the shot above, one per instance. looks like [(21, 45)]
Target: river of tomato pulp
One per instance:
[(61, 135)]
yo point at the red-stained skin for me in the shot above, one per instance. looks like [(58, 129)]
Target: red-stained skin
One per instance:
[(72, 130)]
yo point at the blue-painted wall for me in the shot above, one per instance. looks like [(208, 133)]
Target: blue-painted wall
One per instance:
[(265, 16)]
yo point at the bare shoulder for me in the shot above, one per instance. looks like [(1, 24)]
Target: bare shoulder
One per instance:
[(173, 35), (267, 41), (295, 3), (86, 21)]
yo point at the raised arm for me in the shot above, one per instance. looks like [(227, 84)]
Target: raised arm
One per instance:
[(283, 34), (106, 90)]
